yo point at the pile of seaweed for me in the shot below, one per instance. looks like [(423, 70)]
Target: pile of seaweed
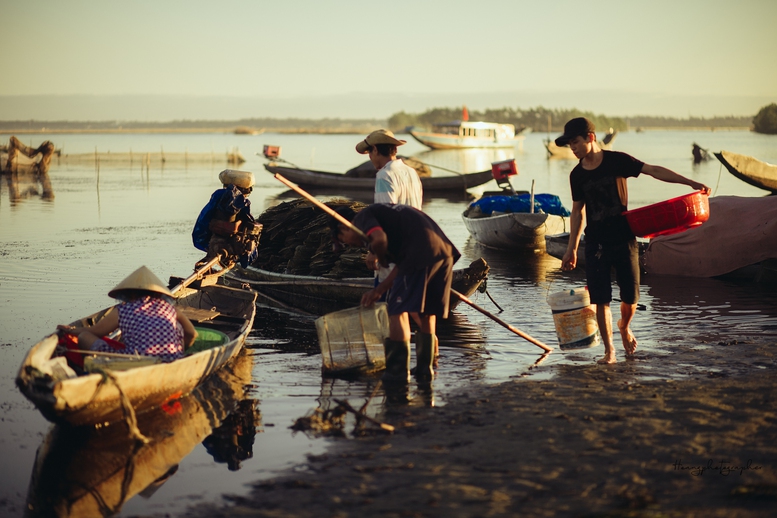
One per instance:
[(296, 240)]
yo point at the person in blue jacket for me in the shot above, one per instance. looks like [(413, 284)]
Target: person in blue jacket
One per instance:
[(225, 224)]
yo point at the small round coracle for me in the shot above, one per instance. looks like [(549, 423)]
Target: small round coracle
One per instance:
[(242, 179)]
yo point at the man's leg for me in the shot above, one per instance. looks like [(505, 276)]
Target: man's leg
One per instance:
[(604, 319), (629, 341), (397, 349), (424, 348), (627, 275), (399, 327)]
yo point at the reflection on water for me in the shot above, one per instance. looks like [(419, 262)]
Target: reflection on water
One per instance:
[(713, 309), (90, 471), (22, 185)]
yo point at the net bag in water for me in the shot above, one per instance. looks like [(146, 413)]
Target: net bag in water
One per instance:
[(351, 340)]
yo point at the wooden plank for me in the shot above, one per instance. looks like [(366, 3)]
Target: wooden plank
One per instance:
[(196, 314)]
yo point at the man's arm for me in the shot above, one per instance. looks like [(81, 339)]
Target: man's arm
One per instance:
[(669, 176), (379, 245), (576, 219)]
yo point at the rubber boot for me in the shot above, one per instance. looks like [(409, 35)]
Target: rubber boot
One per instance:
[(397, 360), (424, 356)]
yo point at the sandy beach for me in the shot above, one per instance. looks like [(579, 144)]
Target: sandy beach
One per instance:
[(686, 432)]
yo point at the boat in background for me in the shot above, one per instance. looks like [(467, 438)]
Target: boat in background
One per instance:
[(566, 153), (465, 133), (321, 180), (750, 170), (316, 295), (49, 377)]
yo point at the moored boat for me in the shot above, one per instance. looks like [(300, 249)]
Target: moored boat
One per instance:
[(513, 226), (467, 134), (321, 180), (318, 295), (750, 170), (66, 394)]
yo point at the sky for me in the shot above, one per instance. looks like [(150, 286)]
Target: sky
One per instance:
[(167, 59)]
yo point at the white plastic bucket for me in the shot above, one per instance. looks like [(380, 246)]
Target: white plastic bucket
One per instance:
[(574, 318)]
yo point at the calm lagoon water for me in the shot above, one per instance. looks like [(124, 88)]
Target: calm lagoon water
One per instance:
[(59, 257)]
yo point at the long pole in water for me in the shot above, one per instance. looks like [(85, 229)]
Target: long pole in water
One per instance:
[(461, 297)]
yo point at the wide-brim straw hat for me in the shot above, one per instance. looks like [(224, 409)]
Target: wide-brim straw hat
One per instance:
[(141, 279), (381, 136)]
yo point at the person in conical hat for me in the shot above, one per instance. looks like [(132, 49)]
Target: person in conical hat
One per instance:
[(149, 323)]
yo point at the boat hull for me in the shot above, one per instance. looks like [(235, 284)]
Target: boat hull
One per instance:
[(94, 398), (750, 170), (516, 230), (443, 141), (321, 295), (88, 471), (322, 180)]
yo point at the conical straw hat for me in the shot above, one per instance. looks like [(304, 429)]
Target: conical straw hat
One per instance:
[(141, 279)]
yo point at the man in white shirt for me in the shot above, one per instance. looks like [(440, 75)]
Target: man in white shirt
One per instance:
[(396, 182)]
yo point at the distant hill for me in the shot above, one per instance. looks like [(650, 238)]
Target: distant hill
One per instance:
[(327, 125)]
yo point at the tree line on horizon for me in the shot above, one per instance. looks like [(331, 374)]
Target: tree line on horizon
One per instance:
[(541, 119)]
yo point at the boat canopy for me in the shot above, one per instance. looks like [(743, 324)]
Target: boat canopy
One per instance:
[(491, 130)]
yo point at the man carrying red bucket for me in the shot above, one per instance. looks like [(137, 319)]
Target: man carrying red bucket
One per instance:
[(599, 197)]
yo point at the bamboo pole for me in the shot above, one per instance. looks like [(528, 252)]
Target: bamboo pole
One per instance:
[(461, 297)]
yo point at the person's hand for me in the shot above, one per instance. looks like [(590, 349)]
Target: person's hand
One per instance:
[(569, 261), (369, 298), (701, 187), (371, 261)]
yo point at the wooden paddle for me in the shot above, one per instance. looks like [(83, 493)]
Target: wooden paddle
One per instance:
[(461, 297)]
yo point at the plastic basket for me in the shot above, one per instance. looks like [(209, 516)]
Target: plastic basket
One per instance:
[(669, 217), (352, 339)]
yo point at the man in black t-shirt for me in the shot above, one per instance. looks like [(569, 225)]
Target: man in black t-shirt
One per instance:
[(599, 197), (420, 282)]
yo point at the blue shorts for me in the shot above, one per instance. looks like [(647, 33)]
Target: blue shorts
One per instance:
[(425, 291), (600, 260)]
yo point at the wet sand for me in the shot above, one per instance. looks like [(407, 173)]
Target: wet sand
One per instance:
[(594, 440)]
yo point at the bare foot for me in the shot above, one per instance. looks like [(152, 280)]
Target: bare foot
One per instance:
[(608, 359), (629, 341)]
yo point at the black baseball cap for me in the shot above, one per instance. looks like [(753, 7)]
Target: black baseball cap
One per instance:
[(577, 127)]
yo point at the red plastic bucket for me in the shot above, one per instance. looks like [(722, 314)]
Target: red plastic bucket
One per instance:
[(669, 217)]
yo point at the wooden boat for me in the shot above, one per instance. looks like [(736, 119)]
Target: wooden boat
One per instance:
[(17, 157), (515, 230), (94, 397), (335, 181), (566, 153), (467, 134), (750, 170), (94, 471), (320, 295)]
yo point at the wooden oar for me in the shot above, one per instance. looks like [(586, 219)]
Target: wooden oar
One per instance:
[(502, 322), (461, 297)]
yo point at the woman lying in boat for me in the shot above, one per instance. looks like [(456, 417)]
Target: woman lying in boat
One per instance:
[(149, 323)]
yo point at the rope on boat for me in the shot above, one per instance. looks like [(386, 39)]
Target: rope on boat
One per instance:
[(126, 406), (483, 288)]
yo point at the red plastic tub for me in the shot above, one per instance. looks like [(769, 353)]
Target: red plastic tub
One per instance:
[(671, 216)]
